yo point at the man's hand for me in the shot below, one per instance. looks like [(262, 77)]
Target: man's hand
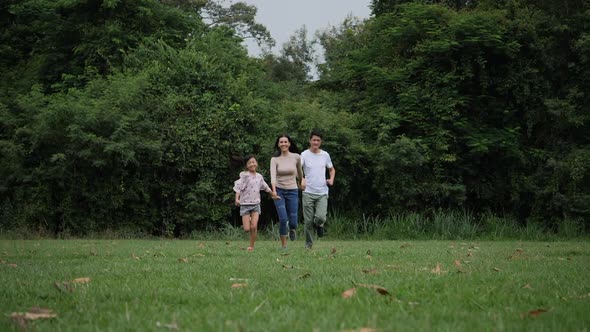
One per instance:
[(330, 182), (303, 184)]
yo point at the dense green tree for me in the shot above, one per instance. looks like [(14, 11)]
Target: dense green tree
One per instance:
[(134, 114), (460, 106)]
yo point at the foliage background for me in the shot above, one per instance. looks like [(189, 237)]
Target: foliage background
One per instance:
[(132, 115)]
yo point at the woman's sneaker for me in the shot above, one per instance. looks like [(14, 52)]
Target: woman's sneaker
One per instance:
[(292, 234)]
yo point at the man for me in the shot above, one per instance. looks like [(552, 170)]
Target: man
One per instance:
[(314, 184)]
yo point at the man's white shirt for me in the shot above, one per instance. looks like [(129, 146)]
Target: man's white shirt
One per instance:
[(314, 167)]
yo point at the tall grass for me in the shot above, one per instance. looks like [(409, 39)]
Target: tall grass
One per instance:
[(445, 225), (437, 225)]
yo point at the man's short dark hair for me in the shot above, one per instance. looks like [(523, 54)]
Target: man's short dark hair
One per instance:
[(317, 133)]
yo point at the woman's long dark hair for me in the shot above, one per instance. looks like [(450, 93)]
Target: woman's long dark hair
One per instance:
[(292, 148)]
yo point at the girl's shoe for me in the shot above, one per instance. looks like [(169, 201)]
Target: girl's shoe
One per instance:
[(250, 249)]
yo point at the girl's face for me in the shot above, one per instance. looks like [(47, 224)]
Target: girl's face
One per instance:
[(251, 165), (284, 144)]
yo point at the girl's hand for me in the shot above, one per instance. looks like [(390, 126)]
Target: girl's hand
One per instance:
[(237, 202)]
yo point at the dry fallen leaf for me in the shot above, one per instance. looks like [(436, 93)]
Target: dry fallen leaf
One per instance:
[(527, 286), (201, 245), (183, 260), (469, 254), (81, 281), (239, 285), (437, 269), (171, 326), (379, 289), (12, 265), (517, 254), (348, 293), (34, 313), (134, 256), (333, 251), (537, 312), (382, 291), (371, 271), (457, 263), (497, 269), (238, 279), (404, 245), (65, 287)]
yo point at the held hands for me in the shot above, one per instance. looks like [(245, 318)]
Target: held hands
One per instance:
[(302, 184), (274, 196)]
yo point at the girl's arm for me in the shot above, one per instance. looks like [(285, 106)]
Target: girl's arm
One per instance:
[(264, 186), (237, 201)]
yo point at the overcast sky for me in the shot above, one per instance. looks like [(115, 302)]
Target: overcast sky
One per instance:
[(283, 17)]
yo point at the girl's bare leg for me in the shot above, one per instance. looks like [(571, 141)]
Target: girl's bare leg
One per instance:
[(247, 228), (254, 216), (246, 223)]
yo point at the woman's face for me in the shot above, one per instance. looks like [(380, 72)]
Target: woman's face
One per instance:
[(284, 144)]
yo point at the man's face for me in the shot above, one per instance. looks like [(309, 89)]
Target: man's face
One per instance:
[(315, 142)]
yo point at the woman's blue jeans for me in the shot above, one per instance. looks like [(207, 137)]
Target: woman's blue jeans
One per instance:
[(287, 208)]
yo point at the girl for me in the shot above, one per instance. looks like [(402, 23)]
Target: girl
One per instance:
[(247, 190)]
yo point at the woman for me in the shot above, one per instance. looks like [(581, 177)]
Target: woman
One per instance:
[(285, 174)]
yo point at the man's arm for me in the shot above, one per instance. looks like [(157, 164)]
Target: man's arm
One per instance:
[(332, 172)]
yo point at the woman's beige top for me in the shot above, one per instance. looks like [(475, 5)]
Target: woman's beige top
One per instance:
[(284, 171)]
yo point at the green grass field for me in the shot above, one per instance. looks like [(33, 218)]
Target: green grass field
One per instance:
[(159, 285)]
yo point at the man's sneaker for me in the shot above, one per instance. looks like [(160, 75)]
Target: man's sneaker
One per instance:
[(292, 234), (320, 230)]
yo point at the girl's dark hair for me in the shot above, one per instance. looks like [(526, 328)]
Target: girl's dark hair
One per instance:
[(292, 148), (248, 157)]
